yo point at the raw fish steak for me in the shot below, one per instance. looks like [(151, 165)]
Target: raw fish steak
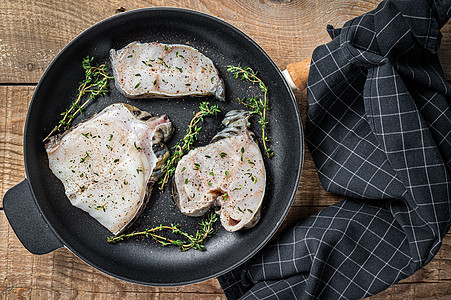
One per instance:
[(109, 163), (154, 70), (228, 173)]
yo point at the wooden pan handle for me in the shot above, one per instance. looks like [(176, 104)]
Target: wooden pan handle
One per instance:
[(297, 73)]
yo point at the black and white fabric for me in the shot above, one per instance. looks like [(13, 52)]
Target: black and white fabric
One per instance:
[(379, 131)]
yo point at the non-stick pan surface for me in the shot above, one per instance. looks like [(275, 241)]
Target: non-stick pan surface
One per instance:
[(141, 260)]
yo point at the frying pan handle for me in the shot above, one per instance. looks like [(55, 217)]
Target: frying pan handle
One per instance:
[(297, 74), (26, 220)]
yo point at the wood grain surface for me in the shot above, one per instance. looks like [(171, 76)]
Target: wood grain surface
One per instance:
[(33, 32)]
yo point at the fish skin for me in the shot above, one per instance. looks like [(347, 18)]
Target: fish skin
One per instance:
[(228, 173), (98, 161), (155, 70)]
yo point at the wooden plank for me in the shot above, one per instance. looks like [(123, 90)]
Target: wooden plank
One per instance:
[(61, 274), (14, 102), (417, 290), (33, 32)]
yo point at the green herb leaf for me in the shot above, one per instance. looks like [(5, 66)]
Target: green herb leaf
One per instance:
[(187, 142), (256, 105), (94, 85), (190, 241)]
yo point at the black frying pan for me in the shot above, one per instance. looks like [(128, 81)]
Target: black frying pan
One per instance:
[(42, 216)]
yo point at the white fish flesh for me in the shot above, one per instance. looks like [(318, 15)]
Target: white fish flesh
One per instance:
[(109, 162), (150, 70), (228, 173)]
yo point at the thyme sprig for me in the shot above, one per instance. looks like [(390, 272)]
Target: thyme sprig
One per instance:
[(189, 241), (255, 104), (95, 84), (187, 142)]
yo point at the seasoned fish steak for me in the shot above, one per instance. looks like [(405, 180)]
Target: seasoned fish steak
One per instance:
[(229, 172), (150, 70), (109, 162)]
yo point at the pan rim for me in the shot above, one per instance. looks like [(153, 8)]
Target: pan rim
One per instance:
[(298, 123)]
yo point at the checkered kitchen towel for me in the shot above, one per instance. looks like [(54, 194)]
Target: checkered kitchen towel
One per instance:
[(379, 131)]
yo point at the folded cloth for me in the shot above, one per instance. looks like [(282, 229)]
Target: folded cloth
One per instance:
[(379, 131)]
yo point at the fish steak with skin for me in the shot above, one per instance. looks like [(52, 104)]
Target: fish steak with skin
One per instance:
[(109, 163), (154, 70), (228, 173)]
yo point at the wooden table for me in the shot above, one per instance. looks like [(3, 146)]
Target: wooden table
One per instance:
[(31, 35)]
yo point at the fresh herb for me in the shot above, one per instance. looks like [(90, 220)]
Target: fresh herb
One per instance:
[(181, 56), (111, 137), (209, 183), (250, 210), (242, 152), (240, 209), (251, 176), (255, 104), (196, 167), (84, 158), (195, 241), (165, 47), (188, 84), (85, 134), (136, 86), (207, 156), (250, 162), (212, 79), (180, 69), (129, 56), (138, 74), (227, 173), (100, 207), (147, 64), (95, 84), (136, 147), (163, 62), (138, 170), (183, 169), (116, 160), (224, 197), (187, 142), (222, 154), (212, 174), (186, 181), (155, 82)]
